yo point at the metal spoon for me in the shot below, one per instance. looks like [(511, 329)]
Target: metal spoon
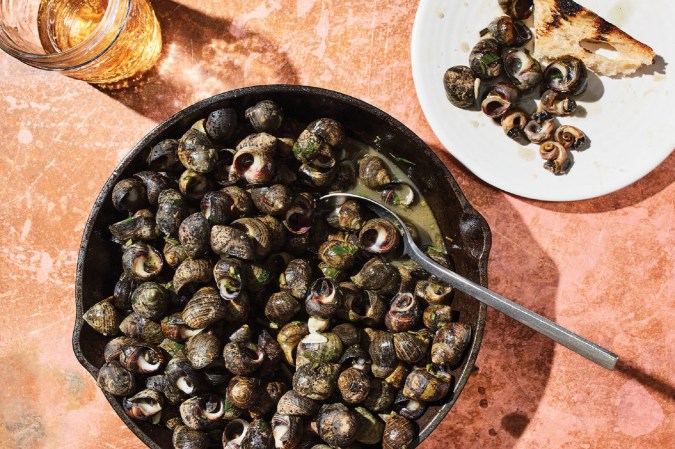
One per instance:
[(569, 339)]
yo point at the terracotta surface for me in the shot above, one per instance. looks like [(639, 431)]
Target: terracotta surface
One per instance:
[(602, 267)]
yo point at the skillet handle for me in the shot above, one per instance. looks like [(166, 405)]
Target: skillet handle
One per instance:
[(534, 321)]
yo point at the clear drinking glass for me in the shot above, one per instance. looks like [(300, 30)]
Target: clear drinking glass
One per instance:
[(98, 41)]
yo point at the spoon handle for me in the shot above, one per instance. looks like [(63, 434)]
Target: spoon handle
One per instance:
[(565, 337)]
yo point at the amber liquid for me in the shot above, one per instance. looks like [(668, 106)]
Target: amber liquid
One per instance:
[(64, 24)]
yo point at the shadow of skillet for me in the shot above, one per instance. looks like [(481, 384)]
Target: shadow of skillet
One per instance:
[(200, 58), (515, 362), (656, 181)]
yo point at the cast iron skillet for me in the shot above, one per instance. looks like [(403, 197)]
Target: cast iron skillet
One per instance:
[(99, 266)]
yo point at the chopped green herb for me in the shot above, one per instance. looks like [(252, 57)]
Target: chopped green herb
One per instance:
[(401, 159), (488, 58), (434, 250), (171, 241), (343, 250), (126, 220)]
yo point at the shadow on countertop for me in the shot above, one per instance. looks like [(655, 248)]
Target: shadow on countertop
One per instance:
[(653, 183), (515, 362), (200, 57)]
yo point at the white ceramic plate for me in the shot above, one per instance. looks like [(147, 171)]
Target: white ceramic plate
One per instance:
[(630, 121)]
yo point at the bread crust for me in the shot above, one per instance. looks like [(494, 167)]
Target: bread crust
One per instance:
[(566, 21)]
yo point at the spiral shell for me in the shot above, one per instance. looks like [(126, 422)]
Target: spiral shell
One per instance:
[(204, 308), (103, 317)]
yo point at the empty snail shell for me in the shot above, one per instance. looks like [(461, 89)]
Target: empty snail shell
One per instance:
[(404, 313), (513, 123), (540, 128), (570, 137), (265, 116), (103, 317), (254, 165), (361, 305), (336, 425), (299, 217), (557, 103), (142, 261), (501, 97), (555, 155), (116, 380), (202, 412), (450, 342), (146, 405)]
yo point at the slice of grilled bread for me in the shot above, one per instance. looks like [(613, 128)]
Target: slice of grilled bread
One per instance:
[(563, 27)]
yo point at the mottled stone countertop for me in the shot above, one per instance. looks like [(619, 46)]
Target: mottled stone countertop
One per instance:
[(603, 267)]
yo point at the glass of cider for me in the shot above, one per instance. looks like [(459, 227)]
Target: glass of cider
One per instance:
[(108, 42)]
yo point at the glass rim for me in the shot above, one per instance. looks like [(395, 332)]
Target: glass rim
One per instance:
[(74, 57)]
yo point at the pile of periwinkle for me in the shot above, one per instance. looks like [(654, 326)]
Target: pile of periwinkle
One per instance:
[(500, 73), (252, 315)]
